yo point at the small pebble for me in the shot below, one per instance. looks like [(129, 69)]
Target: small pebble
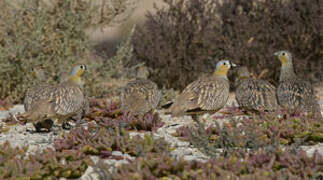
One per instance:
[(116, 153)]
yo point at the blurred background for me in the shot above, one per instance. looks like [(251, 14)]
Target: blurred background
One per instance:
[(178, 40)]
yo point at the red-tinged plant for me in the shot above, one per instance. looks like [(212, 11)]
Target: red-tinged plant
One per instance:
[(263, 164), (101, 141), (258, 131), (109, 114), (15, 163), (148, 122)]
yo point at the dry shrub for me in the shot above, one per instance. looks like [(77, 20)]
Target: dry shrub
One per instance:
[(175, 39), (187, 38), (50, 34)]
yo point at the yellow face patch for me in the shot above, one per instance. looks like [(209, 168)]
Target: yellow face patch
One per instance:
[(222, 70), (76, 79), (283, 59), (79, 72)]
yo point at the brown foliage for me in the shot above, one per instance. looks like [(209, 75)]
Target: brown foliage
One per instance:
[(186, 38)]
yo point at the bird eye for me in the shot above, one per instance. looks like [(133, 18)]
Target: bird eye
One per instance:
[(283, 54), (82, 66), (224, 63)]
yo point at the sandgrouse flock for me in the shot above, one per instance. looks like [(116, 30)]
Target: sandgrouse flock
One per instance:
[(66, 100)]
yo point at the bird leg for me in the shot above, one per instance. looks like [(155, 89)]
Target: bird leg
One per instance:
[(44, 124), (58, 125), (196, 117), (66, 126), (57, 129)]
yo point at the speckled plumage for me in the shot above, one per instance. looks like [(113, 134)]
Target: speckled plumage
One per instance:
[(254, 94), (60, 101), (34, 94), (140, 96), (68, 98), (37, 91), (294, 93), (208, 93)]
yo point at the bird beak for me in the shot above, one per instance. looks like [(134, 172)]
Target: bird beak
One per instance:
[(276, 53), (232, 64)]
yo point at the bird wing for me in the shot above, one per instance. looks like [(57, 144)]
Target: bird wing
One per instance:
[(68, 99), (256, 95), (140, 96), (295, 93), (35, 94), (204, 94)]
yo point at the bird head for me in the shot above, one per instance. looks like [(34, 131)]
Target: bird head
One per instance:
[(243, 72), (285, 57), (38, 72), (77, 72), (143, 72), (222, 67)]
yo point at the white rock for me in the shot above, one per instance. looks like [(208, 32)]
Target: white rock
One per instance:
[(311, 149), (117, 153), (16, 109), (90, 174), (95, 159)]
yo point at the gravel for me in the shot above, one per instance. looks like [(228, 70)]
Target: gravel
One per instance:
[(19, 136)]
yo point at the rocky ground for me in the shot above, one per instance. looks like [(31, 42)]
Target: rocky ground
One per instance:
[(19, 135)]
